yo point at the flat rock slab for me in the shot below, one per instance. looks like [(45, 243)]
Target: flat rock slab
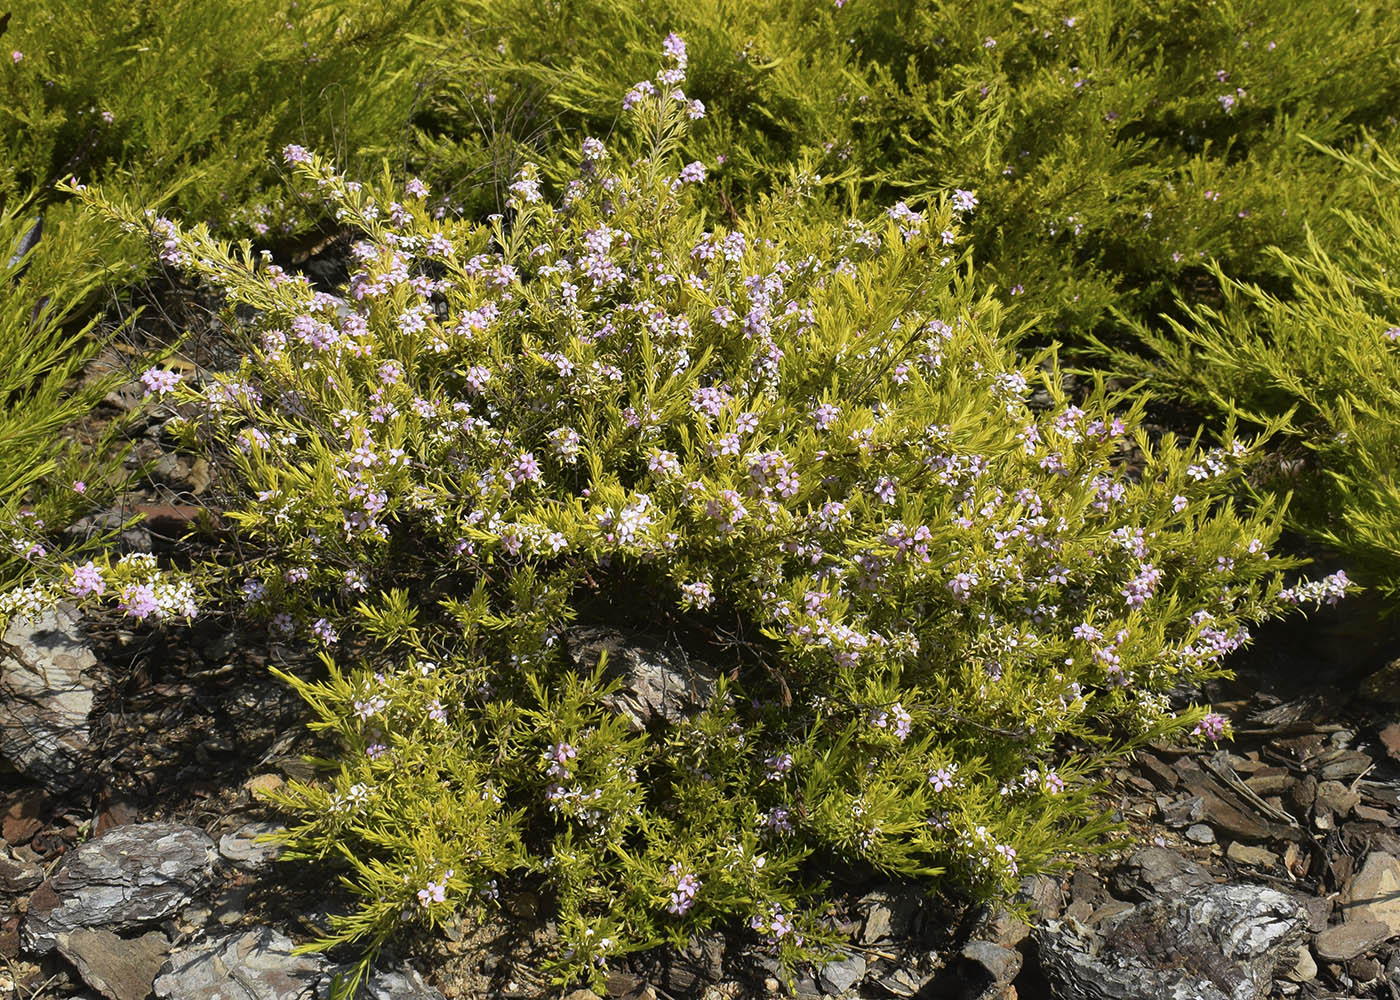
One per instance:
[(129, 877), (1347, 940), (119, 968), (254, 965), (47, 675), (399, 984), (1219, 942), (241, 846), (656, 683), (1374, 893)]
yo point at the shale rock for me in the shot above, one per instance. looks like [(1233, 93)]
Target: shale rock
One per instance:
[(129, 877), (656, 683), (119, 968), (47, 673), (1220, 942), (255, 965)]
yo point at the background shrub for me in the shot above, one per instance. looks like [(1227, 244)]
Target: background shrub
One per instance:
[(949, 605), (198, 97), (53, 272), (1115, 151), (1326, 358)]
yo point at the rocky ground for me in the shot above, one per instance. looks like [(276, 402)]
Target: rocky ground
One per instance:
[(1269, 867)]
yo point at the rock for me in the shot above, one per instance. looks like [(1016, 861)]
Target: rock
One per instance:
[(128, 877), (1043, 893), (254, 965), (1257, 857), (1157, 871), (261, 785), (888, 914), (656, 683), (1349, 939), (1305, 970), (118, 968), (1390, 738), (398, 984), (19, 876), (1343, 765), (1184, 811), (838, 977), (1337, 797), (135, 538), (24, 817), (47, 674), (1217, 942), (995, 966), (1200, 834), (1365, 970), (242, 849), (1374, 893)]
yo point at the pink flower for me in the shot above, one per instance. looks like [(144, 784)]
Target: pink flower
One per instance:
[(158, 381), (138, 600), (87, 579)]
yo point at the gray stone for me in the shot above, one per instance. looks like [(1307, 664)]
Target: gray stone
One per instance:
[(1215, 942), (838, 977), (1349, 939), (1256, 857), (1185, 810), (1157, 871), (241, 846), (47, 673), (888, 914), (1305, 969), (119, 968), (997, 965), (1199, 833), (1374, 892), (1338, 797), (255, 965), (656, 683), (129, 877), (19, 876), (401, 984)]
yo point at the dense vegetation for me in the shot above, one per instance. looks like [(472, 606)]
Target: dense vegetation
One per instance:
[(765, 341)]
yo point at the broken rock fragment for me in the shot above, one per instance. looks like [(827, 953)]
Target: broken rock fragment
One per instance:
[(47, 675), (129, 877)]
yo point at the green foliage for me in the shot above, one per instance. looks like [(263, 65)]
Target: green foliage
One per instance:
[(954, 590), (1326, 358), (50, 274), (143, 96), (1115, 150)]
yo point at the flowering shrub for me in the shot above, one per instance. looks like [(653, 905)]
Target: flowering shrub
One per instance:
[(953, 590), (1327, 359)]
